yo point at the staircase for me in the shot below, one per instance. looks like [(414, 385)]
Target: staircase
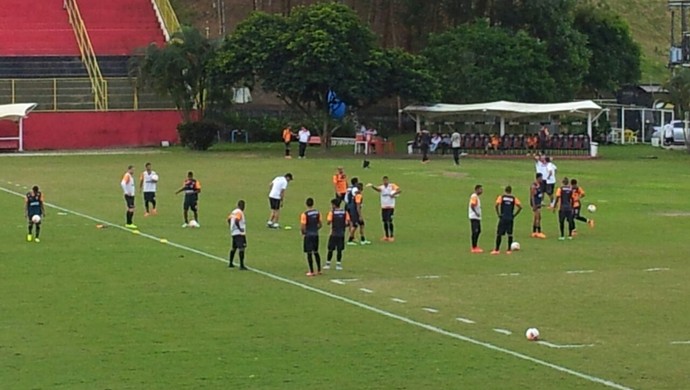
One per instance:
[(120, 27)]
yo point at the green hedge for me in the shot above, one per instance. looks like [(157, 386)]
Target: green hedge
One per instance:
[(198, 135)]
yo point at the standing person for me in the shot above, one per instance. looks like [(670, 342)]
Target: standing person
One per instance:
[(388, 191), (550, 180), (668, 134), (579, 193), (287, 138), (474, 210), (34, 206), (303, 137), (424, 145), (275, 198), (505, 209), (455, 143), (340, 184), (238, 231), (544, 137), (148, 184), (564, 199), (127, 184), (354, 208), (310, 223), (536, 197), (191, 188), (339, 220)]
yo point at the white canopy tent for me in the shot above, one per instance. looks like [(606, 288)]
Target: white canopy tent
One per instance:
[(16, 113), (505, 110)]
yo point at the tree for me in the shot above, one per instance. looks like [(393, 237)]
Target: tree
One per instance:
[(615, 57), (179, 70), (476, 63), (679, 91)]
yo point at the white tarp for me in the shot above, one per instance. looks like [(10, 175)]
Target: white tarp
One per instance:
[(505, 109), (14, 112)]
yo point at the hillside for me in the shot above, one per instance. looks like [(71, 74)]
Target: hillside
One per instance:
[(649, 21)]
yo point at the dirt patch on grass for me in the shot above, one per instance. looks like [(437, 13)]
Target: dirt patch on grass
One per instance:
[(455, 175), (676, 214)]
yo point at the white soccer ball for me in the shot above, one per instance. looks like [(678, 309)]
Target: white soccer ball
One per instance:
[(515, 246), (193, 224), (154, 178), (36, 219), (532, 334), (591, 208)]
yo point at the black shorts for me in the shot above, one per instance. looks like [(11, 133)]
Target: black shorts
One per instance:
[(476, 225), (336, 243), (149, 196), (355, 219), (576, 211), (311, 244), (565, 214), (129, 200), (536, 204), (190, 204), (340, 196), (387, 215), (505, 226), (549, 188), (274, 203), (239, 241), (542, 186)]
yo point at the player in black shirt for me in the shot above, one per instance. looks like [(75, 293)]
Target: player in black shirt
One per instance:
[(564, 199), (33, 206), (506, 205), (339, 220), (310, 223)]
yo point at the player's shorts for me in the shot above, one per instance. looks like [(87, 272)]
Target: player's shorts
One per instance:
[(549, 188), (129, 200), (565, 214), (274, 203), (576, 211), (336, 243), (239, 241), (355, 220), (542, 186), (505, 226), (476, 225), (340, 196), (387, 215), (311, 244), (149, 196), (190, 204), (536, 203)]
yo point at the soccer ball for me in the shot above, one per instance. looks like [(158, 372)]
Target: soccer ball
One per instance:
[(36, 219), (515, 246), (154, 178), (532, 334), (193, 224), (591, 208)]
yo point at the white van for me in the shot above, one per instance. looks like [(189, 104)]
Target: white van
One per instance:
[(678, 134)]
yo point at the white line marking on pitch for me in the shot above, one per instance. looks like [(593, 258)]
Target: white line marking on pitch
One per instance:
[(343, 281), (680, 342), (428, 277), (510, 274), (366, 290), (398, 300), (409, 321), (657, 269), (430, 309), (503, 331), (582, 271), (465, 320), (562, 346)]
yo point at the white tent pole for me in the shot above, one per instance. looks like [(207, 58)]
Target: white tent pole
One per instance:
[(503, 126), (589, 125), (418, 124), (21, 134), (622, 126)]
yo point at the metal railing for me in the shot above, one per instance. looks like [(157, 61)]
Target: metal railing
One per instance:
[(167, 14), (98, 84)]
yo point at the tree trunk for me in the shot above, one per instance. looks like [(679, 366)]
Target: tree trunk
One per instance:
[(325, 135)]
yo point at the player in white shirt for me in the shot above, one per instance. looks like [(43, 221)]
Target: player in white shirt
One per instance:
[(303, 138), (238, 231), (127, 184), (474, 210), (275, 198), (148, 184), (455, 143), (550, 179), (388, 191)]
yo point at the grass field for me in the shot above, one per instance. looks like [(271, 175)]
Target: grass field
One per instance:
[(92, 308)]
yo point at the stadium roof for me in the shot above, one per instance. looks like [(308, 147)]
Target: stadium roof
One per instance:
[(14, 112), (505, 109)]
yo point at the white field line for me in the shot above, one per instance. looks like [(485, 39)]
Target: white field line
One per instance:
[(398, 300), (366, 290), (430, 310), (657, 269), (465, 320), (503, 331), (409, 321), (510, 274), (580, 271), (428, 277), (680, 342), (343, 281), (563, 346)]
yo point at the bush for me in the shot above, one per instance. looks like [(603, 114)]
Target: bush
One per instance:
[(198, 135), (267, 127)]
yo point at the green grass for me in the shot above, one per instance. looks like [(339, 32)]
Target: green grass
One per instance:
[(104, 308)]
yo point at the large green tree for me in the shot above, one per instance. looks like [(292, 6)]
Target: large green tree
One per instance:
[(477, 62), (616, 56)]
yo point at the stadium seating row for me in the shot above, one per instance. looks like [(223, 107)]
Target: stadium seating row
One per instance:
[(515, 144)]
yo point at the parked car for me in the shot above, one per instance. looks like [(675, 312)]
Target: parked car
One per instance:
[(678, 133)]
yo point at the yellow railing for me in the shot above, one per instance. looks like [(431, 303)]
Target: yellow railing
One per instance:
[(167, 13), (88, 56)]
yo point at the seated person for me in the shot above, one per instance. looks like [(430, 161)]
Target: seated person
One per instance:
[(494, 143), (445, 143), (532, 143), (435, 142)]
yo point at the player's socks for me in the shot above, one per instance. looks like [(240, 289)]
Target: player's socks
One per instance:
[(310, 262), (317, 257), (498, 243), (231, 258), (130, 214), (242, 267), (38, 231), (329, 257), (390, 228), (339, 256), (510, 242), (386, 230)]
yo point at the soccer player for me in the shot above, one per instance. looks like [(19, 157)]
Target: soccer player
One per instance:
[(579, 193), (148, 186), (536, 197), (505, 208), (340, 184), (238, 226), (310, 223), (339, 220), (475, 215), (33, 205), (303, 138), (354, 208), (540, 167), (127, 184), (564, 199), (191, 188), (275, 198), (389, 191), (550, 179), (287, 138)]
